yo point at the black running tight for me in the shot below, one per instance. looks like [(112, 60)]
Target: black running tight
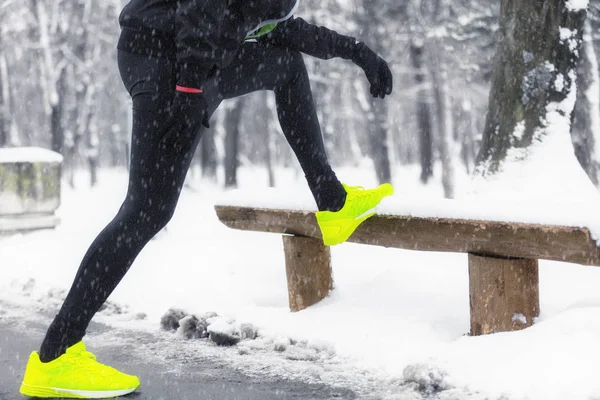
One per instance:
[(159, 166)]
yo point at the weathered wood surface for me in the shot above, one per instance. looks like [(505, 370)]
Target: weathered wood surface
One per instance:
[(503, 239), (308, 268), (504, 294)]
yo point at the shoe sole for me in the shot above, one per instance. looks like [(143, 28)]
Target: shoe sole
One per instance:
[(52, 393)]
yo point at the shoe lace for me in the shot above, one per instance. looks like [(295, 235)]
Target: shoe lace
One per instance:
[(361, 196), (87, 360)]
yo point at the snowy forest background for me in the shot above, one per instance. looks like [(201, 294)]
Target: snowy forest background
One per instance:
[(60, 89)]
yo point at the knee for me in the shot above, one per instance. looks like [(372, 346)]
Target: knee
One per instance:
[(158, 218), (148, 214)]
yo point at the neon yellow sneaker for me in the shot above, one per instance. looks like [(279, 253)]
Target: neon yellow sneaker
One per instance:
[(336, 227), (75, 375)]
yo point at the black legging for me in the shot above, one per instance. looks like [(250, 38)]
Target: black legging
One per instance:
[(159, 166)]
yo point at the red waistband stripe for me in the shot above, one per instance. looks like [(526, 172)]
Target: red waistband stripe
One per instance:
[(185, 89)]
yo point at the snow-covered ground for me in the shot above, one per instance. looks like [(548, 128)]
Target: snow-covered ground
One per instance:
[(394, 315)]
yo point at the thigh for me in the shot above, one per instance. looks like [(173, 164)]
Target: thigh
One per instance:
[(256, 67), (159, 162)]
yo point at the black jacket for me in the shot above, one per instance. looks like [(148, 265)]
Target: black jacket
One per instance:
[(204, 34)]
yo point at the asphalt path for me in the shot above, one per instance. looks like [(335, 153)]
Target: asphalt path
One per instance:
[(195, 378)]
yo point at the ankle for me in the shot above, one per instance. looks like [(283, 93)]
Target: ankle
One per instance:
[(330, 199)]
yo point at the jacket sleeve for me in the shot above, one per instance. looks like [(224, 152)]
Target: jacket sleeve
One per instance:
[(316, 41), (198, 30)]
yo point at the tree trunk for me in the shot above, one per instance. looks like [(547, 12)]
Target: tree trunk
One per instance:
[(232, 140), (464, 132), (4, 101), (379, 141), (534, 73), (586, 121), (423, 112), (268, 106), (209, 155), (47, 65), (56, 115), (445, 126), (93, 150)]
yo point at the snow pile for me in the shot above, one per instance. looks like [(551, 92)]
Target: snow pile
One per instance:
[(224, 331), (427, 379), (29, 154), (390, 309), (268, 198)]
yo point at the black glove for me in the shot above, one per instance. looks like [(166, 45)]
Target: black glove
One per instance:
[(376, 68)]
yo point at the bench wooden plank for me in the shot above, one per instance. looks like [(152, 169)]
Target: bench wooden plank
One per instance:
[(502, 239)]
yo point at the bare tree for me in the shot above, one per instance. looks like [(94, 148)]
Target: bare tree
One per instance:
[(445, 127), (270, 115), (51, 69), (371, 17), (8, 131), (233, 119), (423, 111)]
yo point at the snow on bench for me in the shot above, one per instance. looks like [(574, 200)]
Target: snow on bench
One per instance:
[(29, 188), (504, 241)]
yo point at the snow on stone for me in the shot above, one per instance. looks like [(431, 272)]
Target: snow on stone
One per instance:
[(429, 379), (190, 327), (518, 317), (281, 344), (224, 331), (29, 154), (248, 331), (223, 325)]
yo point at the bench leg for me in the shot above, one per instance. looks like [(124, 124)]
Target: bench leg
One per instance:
[(308, 267), (504, 294)]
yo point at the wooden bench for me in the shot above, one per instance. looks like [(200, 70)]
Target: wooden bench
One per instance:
[(29, 189), (503, 256)]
